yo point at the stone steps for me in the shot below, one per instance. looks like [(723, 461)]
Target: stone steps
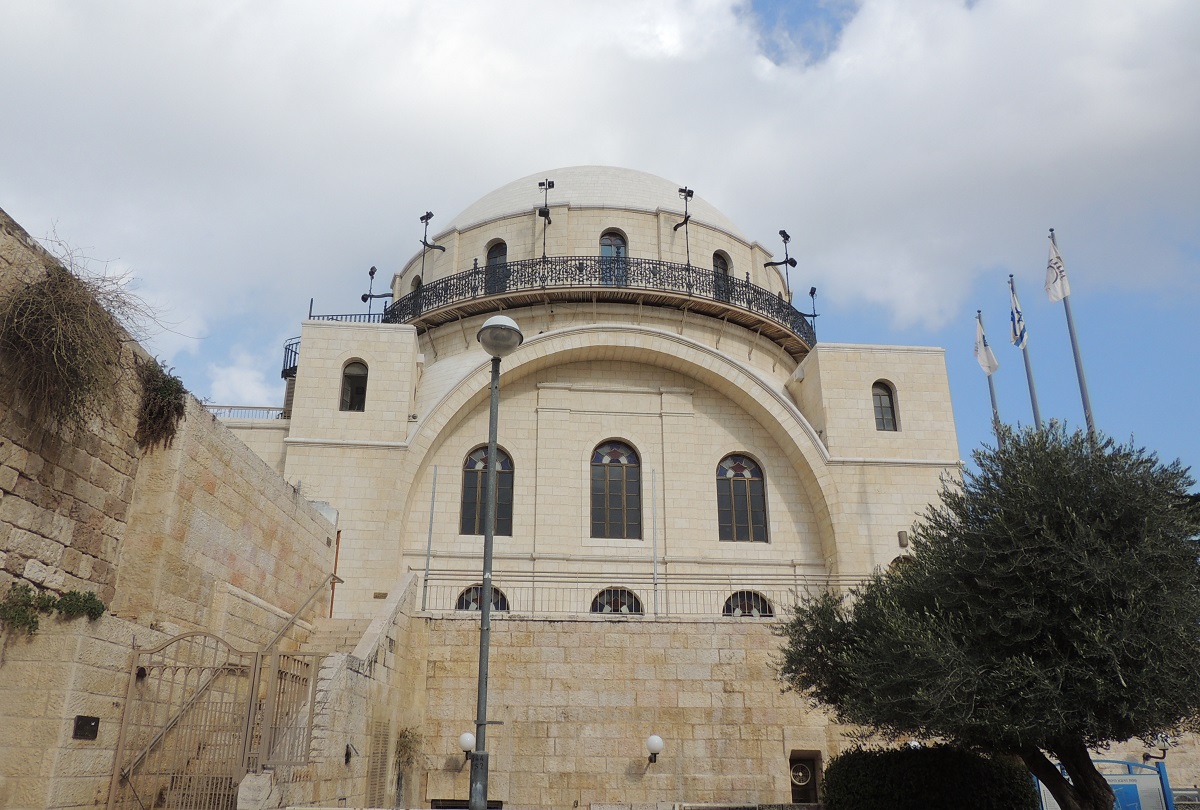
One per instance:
[(336, 635)]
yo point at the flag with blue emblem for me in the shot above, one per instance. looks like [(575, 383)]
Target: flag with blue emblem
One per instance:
[(983, 352), (1017, 319), (1056, 276)]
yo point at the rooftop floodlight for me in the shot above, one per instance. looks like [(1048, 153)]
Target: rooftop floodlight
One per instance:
[(370, 293), (686, 193), (500, 336), (785, 263), (544, 211), (426, 217), (654, 745), (784, 236)]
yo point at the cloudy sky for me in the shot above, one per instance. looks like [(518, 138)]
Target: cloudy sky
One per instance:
[(240, 158)]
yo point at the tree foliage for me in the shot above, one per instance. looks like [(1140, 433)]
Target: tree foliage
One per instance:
[(1051, 604), (943, 777)]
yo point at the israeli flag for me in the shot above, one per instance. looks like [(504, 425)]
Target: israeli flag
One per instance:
[(983, 352)]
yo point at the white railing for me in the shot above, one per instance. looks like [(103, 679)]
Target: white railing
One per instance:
[(245, 412)]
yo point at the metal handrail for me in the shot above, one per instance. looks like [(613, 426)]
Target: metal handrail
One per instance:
[(599, 273)]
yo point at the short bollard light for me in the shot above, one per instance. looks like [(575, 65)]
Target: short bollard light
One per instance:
[(654, 744)]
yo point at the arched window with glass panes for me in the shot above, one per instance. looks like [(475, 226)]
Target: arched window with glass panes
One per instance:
[(883, 397), (741, 500), (474, 484), (354, 387), (616, 492), (472, 599), (617, 600), (748, 605)]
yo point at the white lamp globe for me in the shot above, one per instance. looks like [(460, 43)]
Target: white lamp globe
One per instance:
[(654, 744), (499, 336), (466, 741)]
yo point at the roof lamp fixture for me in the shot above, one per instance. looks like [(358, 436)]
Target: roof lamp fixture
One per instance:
[(1162, 742), (370, 293), (428, 215), (685, 194), (812, 293), (499, 336), (654, 744), (466, 741), (786, 263), (544, 211)]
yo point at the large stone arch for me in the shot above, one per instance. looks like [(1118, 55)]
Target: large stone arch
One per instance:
[(771, 407)]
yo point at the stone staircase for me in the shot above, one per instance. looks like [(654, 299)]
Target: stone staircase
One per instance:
[(336, 635)]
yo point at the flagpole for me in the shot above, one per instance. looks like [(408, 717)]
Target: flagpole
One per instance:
[(1083, 391), (1037, 415), (991, 386)]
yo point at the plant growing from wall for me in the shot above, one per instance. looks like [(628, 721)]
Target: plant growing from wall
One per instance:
[(23, 606), (164, 402), (60, 349)]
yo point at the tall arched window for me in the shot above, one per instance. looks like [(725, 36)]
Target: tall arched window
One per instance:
[(884, 400), (748, 604), (617, 600), (741, 501), (472, 599), (616, 492), (613, 252), (475, 484), (354, 387), (721, 278), (495, 274)]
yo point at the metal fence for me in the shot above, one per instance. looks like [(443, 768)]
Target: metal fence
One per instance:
[(242, 412), (692, 596)]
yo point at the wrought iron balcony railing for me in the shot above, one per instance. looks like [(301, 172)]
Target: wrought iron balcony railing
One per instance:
[(601, 277)]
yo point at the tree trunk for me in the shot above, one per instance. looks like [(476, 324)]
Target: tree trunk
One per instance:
[(1087, 788)]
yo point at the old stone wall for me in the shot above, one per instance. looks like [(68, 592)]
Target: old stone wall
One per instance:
[(64, 492)]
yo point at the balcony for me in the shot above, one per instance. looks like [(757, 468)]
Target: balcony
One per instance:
[(611, 280)]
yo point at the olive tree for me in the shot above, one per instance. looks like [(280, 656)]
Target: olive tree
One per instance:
[(1051, 605)]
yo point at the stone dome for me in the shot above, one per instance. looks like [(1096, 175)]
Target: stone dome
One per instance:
[(592, 187)]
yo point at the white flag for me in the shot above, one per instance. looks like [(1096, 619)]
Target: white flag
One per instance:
[(1018, 334), (1056, 276), (983, 352)]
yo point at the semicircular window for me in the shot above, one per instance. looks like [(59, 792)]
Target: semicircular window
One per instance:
[(472, 599), (617, 600), (741, 500), (748, 604)]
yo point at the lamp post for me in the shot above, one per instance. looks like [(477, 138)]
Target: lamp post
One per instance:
[(499, 336)]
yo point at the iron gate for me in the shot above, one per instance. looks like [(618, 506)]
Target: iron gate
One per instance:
[(200, 714)]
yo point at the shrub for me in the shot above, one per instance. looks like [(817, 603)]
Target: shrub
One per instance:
[(21, 609), (164, 401), (938, 778)]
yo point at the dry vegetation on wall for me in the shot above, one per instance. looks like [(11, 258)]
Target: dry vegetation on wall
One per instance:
[(164, 401), (60, 349)]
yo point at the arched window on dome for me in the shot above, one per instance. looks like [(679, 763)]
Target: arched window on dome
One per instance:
[(616, 492), (741, 501), (617, 600), (415, 291), (472, 599), (721, 276), (883, 397), (495, 279), (614, 270), (749, 605), (354, 387), (475, 485)]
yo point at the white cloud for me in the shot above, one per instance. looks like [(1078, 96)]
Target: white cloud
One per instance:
[(242, 382)]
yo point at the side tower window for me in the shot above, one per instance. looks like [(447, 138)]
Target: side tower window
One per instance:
[(720, 264), (617, 600), (495, 273), (497, 254), (616, 492), (884, 399), (741, 500), (473, 488), (354, 387), (614, 270)]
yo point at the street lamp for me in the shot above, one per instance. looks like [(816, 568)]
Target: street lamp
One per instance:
[(499, 336)]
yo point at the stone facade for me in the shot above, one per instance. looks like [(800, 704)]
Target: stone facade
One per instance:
[(202, 535)]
